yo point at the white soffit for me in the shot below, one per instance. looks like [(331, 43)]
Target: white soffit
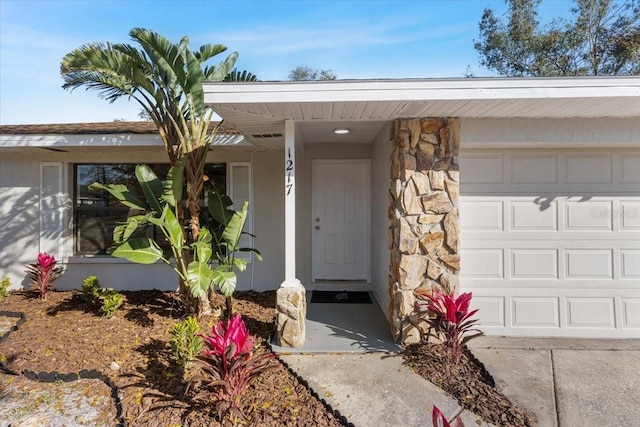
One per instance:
[(259, 108)]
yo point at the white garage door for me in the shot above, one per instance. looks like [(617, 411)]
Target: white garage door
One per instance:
[(550, 241)]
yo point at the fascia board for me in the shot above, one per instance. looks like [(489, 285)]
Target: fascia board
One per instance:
[(421, 90)]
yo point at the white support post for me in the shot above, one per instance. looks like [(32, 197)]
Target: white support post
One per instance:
[(290, 280), (291, 301)]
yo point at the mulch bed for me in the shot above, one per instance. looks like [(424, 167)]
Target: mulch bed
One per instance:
[(63, 334), (468, 382)]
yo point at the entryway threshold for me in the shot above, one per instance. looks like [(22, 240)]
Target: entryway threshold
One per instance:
[(345, 328)]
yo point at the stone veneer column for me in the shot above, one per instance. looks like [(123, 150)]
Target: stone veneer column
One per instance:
[(424, 232), (291, 306)]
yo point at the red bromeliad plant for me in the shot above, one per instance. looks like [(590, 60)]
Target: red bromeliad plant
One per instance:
[(228, 365), (43, 273), (439, 420), (451, 319)]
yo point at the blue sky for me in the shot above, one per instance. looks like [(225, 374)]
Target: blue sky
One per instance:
[(355, 39)]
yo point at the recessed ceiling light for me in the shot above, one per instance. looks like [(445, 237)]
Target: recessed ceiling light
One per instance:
[(341, 131)]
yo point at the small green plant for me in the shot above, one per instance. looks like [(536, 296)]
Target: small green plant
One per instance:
[(4, 287), (185, 342), (111, 301), (90, 289), (106, 301)]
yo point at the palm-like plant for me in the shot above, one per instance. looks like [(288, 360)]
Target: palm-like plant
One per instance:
[(166, 80)]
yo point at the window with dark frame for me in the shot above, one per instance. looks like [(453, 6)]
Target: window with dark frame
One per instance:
[(96, 213)]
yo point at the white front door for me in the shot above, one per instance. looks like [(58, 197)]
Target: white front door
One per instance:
[(341, 218)]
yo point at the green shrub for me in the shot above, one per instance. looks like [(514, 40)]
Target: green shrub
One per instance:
[(106, 301), (4, 287), (185, 342), (90, 289), (111, 301)]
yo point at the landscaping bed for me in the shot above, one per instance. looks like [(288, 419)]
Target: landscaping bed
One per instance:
[(130, 353), (63, 334), (468, 382)]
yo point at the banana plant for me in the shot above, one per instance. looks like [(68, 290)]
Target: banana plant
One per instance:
[(227, 229), (160, 208)]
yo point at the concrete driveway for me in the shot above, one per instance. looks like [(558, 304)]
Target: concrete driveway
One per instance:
[(564, 382)]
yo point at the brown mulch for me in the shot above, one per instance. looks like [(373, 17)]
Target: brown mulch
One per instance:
[(63, 334), (468, 382)]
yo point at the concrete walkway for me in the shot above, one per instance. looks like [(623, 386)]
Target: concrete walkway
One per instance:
[(564, 382)]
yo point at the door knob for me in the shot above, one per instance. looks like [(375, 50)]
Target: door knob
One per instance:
[(317, 227)]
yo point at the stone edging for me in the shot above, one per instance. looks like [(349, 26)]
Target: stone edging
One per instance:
[(52, 377), (21, 319)]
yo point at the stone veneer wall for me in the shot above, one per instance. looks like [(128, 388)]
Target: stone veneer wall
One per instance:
[(424, 232)]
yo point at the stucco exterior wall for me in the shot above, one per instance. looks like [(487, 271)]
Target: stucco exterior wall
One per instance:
[(19, 227), (19, 219), (380, 153)]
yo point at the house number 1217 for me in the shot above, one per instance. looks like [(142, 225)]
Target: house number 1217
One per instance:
[(288, 170)]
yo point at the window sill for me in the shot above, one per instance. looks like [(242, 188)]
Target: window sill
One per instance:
[(98, 259), (108, 259)]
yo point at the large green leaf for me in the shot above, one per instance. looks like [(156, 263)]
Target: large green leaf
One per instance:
[(240, 264), (172, 225), (233, 230), (139, 250), (199, 277), (225, 280), (151, 186), (218, 204), (252, 250), (172, 193), (122, 193)]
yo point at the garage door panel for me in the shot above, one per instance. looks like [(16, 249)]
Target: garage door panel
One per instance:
[(590, 313), (483, 263), (531, 215), (534, 264), (533, 169), (588, 168), (482, 215), (631, 313), (589, 264), (630, 264), (588, 215), (482, 168), (630, 169), (553, 249), (491, 310), (539, 312), (629, 215)]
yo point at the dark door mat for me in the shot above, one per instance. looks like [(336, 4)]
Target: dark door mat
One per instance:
[(345, 297)]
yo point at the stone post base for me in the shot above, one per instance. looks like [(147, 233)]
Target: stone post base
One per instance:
[(291, 305)]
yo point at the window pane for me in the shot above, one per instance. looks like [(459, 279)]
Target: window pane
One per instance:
[(97, 212)]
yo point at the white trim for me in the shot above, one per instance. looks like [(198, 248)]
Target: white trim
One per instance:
[(230, 191), (59, 194), (367, 195), (422, 89), (107, 140)]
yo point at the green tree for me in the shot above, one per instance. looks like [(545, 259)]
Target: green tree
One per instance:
[(166, 79), (602, 37), (304, 73)]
